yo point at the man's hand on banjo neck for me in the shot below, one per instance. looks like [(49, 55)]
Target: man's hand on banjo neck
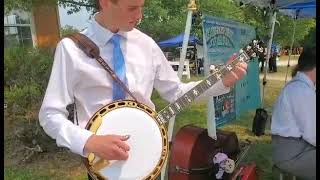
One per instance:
[(109, 147), (236, 74)]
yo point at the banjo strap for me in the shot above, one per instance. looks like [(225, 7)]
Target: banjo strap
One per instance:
[(92, 51)]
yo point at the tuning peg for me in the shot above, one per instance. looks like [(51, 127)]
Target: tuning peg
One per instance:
[(241, 51), (248, 47)]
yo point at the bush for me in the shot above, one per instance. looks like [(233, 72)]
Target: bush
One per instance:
[(23, 66), (26, 74)]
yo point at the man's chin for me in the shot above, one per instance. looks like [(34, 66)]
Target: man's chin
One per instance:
[(126, 29)]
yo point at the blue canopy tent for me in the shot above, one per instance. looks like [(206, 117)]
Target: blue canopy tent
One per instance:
[(300, 10), (177, 41)]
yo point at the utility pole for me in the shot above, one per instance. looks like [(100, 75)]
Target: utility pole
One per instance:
[(192, 7)]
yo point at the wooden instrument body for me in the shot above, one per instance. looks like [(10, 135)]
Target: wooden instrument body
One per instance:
[(192, 152)]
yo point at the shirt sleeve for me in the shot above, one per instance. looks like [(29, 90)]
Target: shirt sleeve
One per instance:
[(169, 86), (303, 101), (59, 93)]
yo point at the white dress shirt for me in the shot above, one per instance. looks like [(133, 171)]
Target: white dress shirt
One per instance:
[(294, 113), (80, 79)]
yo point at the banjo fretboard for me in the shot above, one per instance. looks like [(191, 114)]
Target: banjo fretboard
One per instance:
[(218, 73)]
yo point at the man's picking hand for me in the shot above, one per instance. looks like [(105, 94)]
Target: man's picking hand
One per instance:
[(109, 147)]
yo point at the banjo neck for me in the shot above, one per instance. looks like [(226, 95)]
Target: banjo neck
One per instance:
[(177, 106)]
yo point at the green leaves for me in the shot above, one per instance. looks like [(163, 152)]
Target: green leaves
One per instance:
[(167, 18)]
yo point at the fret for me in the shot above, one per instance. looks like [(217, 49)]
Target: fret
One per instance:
[(212, 80), (160, 118), (165, 114), (177, 105), (200, 87), (180, 103), (184, 101), (188, 98), (204, 86), (172, 110)]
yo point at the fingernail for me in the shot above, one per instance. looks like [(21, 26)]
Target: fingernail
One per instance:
[(127, 136)]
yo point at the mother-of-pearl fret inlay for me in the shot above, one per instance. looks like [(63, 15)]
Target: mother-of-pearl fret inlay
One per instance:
[(243, 57), (187, 98), (160, 117), (217, 73), (229, 67), (195, 92), (177, 105), (171, 110), (208, 82)]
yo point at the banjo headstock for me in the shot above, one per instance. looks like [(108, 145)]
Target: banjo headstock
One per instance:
[(252, 50)]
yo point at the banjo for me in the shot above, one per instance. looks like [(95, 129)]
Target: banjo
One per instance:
[(149, 146)]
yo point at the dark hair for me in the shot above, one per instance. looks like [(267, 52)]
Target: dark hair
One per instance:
[(307, 60)]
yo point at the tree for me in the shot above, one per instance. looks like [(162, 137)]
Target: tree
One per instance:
[(283, 32), (167, 18), (74, 5), (67, 29)]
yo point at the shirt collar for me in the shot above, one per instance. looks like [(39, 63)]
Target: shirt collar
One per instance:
[(305, 78), (100, 34)]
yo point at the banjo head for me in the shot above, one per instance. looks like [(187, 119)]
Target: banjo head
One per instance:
[(148, 141)]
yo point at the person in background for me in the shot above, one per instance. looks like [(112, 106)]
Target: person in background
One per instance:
[(293, 125), (273, 59)]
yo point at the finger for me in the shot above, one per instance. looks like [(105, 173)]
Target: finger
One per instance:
[(231, 76), (240, 69), (231, 58), (122, 154), (240, 72), (234, 74), (123, 145), (243, 65)]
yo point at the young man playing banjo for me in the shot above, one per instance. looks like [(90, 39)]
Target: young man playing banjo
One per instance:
[(138, 62)]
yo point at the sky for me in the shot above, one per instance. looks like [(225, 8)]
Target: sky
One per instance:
[(77, 20)]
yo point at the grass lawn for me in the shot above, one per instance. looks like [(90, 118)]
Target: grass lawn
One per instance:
[(65, 165)]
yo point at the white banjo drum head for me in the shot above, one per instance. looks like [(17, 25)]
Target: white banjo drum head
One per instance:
[(146, 142)]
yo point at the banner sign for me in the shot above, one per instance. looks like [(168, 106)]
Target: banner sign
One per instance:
[(222, 38)]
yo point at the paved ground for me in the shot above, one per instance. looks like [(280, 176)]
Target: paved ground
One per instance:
[(279, 77), (285, 63)]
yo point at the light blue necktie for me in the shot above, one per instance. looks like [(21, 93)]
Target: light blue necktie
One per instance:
[(119, 68)]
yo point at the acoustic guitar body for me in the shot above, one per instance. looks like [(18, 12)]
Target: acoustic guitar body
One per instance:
[(192, 152)]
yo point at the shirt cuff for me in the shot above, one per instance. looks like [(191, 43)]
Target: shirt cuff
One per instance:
[(222, 88), (79, 143)]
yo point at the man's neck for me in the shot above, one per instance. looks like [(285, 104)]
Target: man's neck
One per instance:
[(309, 74), (104, 23)]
